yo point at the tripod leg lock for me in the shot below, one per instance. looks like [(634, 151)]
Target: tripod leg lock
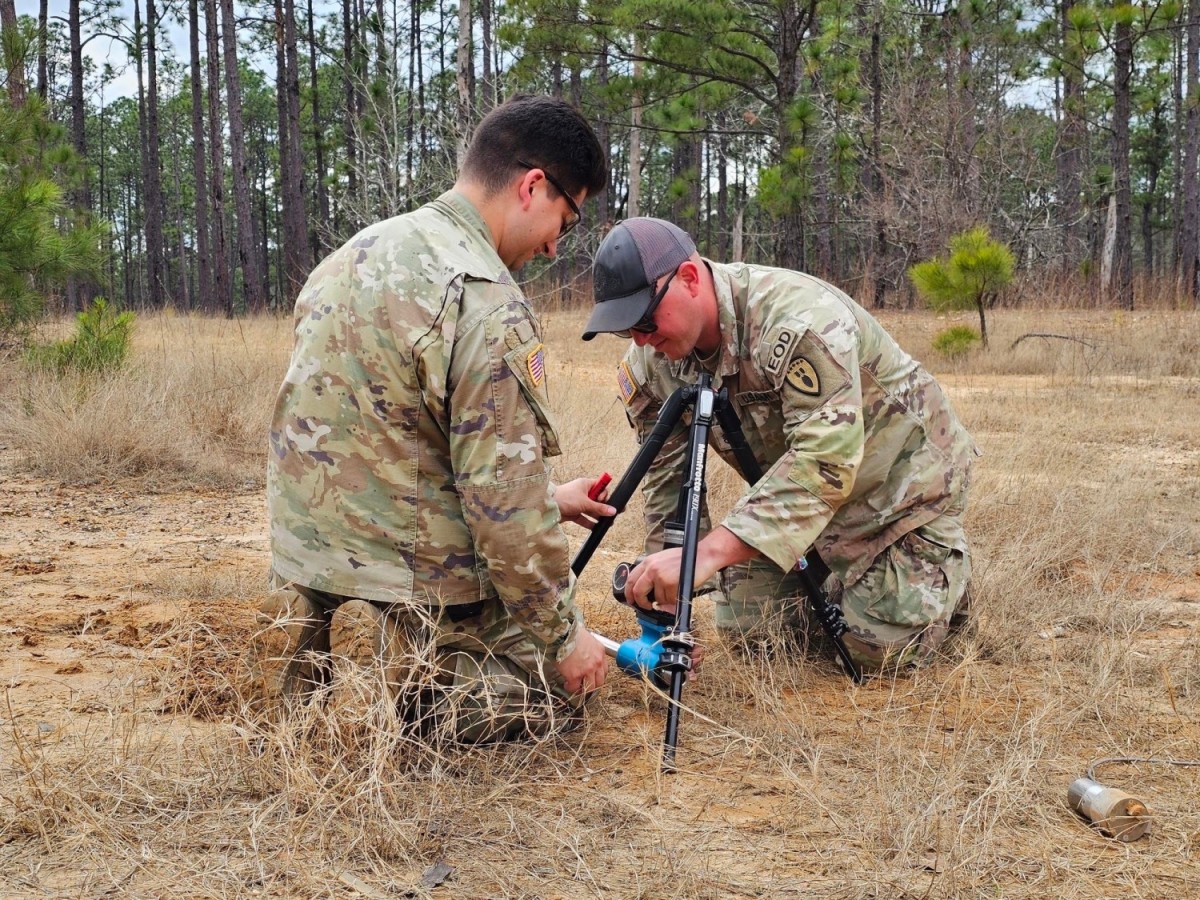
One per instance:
[(830, 618), (676, 653)]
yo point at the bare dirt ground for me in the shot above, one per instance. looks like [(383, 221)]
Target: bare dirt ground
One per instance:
[(128, 768)]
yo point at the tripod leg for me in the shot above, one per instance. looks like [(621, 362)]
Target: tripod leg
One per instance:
[(677, 644), (668, 418)]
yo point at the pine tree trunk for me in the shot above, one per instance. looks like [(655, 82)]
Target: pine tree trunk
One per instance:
[(185, 292), (14, 68), (876, 263), (722, 164), (79, 293), (204, 276), (247, 239), (1189, 237), (43, 22), (792, 25), (634, 204), (1072, 138), (968, 132), (350, 57), (295, 217), (222, 298), (1178, 40), (1122, 81), (414, 52), (318, 136), (487, 99), (152, 169), (464, 77)]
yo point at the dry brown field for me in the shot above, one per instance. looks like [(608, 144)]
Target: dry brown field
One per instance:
[(133, 553)]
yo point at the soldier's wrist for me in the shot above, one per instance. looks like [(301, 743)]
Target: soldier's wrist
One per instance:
[(566, 645)]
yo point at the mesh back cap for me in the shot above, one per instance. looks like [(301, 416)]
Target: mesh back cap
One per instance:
[(634, 255)]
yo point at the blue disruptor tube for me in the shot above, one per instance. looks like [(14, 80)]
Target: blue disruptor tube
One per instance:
[(641, 655)]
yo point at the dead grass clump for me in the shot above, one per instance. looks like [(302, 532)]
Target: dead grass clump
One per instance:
[(208, 583), (323, 798), (192, 408)]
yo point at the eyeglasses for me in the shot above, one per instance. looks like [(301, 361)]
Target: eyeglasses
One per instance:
[(646, 324), (567, 227)]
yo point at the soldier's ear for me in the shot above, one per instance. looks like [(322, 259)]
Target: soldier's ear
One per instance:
[(689, 273), (524, 186)]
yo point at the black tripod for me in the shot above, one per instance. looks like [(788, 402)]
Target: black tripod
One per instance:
[(675, 660)]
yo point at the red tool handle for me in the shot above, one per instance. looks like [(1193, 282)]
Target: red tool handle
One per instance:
[(597, 489)]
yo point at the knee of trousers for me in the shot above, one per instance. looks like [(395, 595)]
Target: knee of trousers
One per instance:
[(899, 613), (484, 698), (758, 598)]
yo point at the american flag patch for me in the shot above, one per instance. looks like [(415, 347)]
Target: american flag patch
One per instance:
[(536, 363), (625, 383)]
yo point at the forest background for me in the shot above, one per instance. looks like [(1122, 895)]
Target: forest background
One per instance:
[(222, 148)]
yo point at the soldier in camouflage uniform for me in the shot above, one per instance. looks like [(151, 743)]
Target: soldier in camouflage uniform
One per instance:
[(410, 503), (864, 459)]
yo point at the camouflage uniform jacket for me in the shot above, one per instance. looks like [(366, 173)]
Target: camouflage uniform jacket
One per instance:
[(408, 442), (858, 443)]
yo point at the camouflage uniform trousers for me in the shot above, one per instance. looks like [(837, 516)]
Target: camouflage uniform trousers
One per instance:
[(898, 613), (468, 672)]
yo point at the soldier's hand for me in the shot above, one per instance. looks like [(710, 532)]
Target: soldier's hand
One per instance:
[(583, 671), (657, 574), (574, 505)]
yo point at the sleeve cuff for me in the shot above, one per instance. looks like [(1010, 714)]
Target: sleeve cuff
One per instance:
[(782, 553), (567, 646)]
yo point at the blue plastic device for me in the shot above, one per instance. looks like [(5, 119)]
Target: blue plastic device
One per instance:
[(641, 655)]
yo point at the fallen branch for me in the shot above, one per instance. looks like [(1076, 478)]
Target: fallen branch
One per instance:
[(1045, 334)]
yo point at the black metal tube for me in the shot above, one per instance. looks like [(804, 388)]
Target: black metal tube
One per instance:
[(677, 642), (668, 418)]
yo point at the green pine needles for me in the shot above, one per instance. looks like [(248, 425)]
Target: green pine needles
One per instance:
[(43, 242), (956, 341), (974, 275), (100, 343)]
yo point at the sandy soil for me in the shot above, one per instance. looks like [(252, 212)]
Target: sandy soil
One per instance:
[(102, 584), (95, 576)]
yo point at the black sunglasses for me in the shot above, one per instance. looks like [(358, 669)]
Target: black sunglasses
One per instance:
[(645, 324), (567, 226)]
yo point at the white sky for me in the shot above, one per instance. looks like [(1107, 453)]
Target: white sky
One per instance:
[(106, 49)]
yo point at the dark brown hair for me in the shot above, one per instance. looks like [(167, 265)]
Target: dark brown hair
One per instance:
[(541, 131)]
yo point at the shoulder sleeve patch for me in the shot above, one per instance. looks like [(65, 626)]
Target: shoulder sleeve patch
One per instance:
[(535, 362), (781, 343), (813, 376), (625, 383), (802, 376)]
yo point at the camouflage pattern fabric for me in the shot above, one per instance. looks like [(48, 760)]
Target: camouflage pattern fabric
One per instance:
[(901, 610), (408, 446), (496, 684), (472, 674), (898, 613), (758, 602), (859, 445)]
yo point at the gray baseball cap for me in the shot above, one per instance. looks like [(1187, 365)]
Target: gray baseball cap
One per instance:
[(634, 255)]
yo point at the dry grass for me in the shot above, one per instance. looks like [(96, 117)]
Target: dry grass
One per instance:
[(950, 782), (189, 410)]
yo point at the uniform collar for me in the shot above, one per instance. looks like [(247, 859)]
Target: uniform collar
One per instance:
[(477, 237)]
